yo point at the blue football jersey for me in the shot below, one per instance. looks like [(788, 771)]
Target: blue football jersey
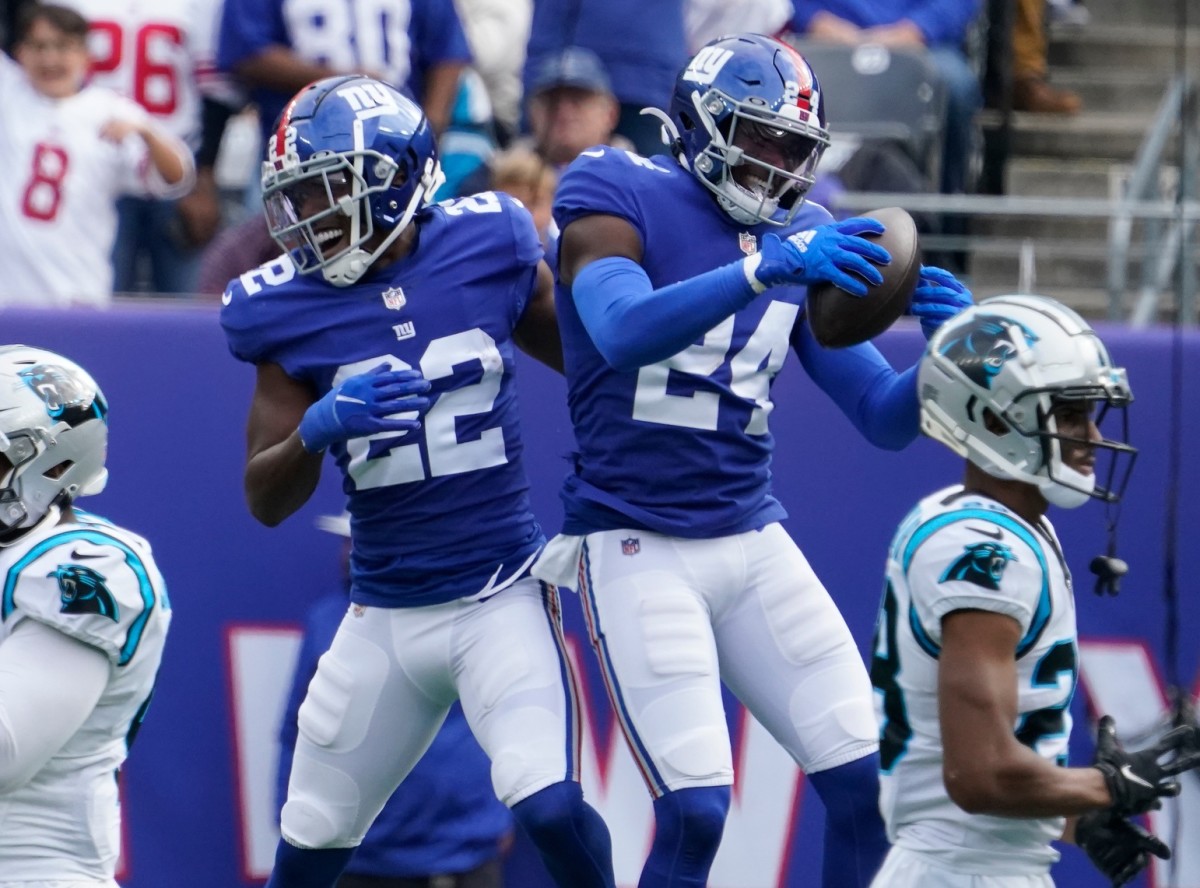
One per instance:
[(442, 512), (680, 447)]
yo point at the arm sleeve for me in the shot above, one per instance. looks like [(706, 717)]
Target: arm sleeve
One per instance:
[(49, 685), (880, 402), (633, 325)]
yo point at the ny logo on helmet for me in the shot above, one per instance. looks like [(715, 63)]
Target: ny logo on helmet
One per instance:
[(368, 96), (707, 64), (981, 348)]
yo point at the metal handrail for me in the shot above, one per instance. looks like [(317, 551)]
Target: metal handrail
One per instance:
[(1143, 182), (989, 205)]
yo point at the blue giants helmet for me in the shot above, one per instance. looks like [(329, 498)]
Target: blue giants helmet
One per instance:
[(350, 158), (752, 102)]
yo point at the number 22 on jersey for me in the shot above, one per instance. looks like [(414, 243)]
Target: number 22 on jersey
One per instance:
[(445, 454)]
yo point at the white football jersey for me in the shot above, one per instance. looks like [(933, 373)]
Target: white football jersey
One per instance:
[(960, 551), (97, 583), (160, 53), (58, 194)]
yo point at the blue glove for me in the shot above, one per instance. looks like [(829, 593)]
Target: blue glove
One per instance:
[(831, 252), (939, 296), (365, 405)]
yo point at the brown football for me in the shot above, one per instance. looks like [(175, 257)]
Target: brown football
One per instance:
[(838, 319)]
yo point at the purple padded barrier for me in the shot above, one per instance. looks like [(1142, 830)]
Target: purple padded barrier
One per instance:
[(178, 404)]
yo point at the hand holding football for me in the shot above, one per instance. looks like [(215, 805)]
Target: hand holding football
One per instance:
[(838, 319)]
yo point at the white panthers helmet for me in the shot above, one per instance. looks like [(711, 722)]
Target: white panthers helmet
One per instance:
[(1016, 357), (53, 436)]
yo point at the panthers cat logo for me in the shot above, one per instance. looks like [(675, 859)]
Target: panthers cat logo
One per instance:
[(982, 348), (67, 398), (82, 591), (982, 564)]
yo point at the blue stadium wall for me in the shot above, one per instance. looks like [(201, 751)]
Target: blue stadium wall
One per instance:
[(198, 812)]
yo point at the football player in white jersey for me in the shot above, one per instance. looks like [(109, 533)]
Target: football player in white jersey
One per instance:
[(975, 653), (70, 151), (83, 618)]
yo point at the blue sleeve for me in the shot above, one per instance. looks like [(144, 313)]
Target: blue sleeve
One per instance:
[(436, 35), (247, 28), (321, 626), (881, 403), (632, 324), (944, 22)]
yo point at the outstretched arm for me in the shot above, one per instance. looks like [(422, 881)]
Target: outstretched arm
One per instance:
[(881, 402), (633, 324)]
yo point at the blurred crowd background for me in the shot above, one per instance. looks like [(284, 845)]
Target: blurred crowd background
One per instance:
[(1043, 145)]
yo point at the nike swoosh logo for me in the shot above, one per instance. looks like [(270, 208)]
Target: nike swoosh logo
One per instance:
[(349, 399), (996, 534), (77, 555), (227, 297), (593, 152), (1127, 773)]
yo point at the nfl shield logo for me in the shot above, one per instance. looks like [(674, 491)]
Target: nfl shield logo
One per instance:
[(748, 243), (393, 298), (631, 546)]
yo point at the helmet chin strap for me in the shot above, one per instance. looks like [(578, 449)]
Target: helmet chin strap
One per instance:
[(350, 267)]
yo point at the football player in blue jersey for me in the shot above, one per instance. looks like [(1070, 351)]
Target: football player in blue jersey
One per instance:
[(385, 335), (681, 285), (976, 655)]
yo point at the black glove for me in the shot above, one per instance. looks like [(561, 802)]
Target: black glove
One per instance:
[(1137, 780), (1117, 847)]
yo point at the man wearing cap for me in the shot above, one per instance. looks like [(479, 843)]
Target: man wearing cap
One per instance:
[(640, 43)]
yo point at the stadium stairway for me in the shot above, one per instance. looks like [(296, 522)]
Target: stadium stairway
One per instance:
[(1121, 64)]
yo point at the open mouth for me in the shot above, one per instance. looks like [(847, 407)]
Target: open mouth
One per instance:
[(329, 236)]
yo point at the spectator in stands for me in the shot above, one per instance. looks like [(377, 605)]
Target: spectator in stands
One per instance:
[(570, 107), (1031, 91), (937, 26), (71, 151), (444, 826), (523, 174), (276, 47), (640, 43), (469, 139), (497, 31), (706, 20), (162, 56), (236, 250)]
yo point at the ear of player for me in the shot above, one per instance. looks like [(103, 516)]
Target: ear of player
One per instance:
[(1138, 781), (379, 400)]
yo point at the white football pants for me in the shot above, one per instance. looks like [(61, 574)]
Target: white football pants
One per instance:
[(908, 869), (382, 690), (671, 618)]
